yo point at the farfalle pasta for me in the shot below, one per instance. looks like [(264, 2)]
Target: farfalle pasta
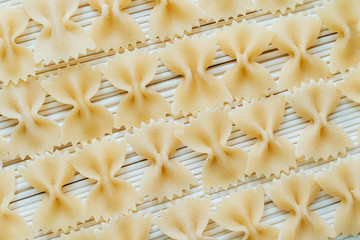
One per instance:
[(75, 86), (294, 193), (34, 134), (16, 61), (246, 79), (170, 18), (321, 139), (242, 212), (60, 37), (165, 177), (4, 150), (345, 51), (277, 5), (208, 133), (12, 226), (58, 210), (114, 28), (131, 72), (187, 219), (342, 181), (294, 35), (271, 154), (199, 89), (83, 234), (111, 196)]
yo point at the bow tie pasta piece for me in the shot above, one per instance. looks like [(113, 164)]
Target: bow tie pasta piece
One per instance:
[(60, 37), (294, 35), (294, 193), (114, 28), (12, 226), (173, 17), (320, 139), (187, 219), (244, 41), (271, 154), (83, 234), (199, 89), (242, 212), (208, 133), (277, 5), (342, 16), (132, 71), (58, 210), (111, 196), (34, 134), (16, 61), (165, 177), (4, 150), (75, 86)]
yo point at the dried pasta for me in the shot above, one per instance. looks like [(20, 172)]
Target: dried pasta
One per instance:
[(132, 71), (199, 89), (208, 133), (321, 139), (247, 79), (4, 150), (34, 134), (114, 28), (111, 196), (75, 86), (294, 35), (277, 5), (271, 154), (60, 37), (83, 234), (242, 212), (294, 193), (58, 210), (12, 226), (345, 51)]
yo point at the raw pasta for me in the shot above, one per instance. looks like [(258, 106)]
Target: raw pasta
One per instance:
[(4, 151), (60, 37), (342, 181), (58, 210), (34, 134), (165, 177), (132, 71), (208, 133), (170, 18), (16, 61), (114, 28), (271, 154), (247, 79), (277, 5), (12, 226), (342, 16), (111, 196), (294, 35), (83, 234), (294, 193), (321, 139), (199, 89), (75, 86), (187, 219)]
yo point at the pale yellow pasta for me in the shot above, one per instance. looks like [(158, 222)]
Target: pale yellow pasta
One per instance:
[(83, 234), (111, 196), (208, 133), (60, 37), (277, 5), (342, 16), (76, 85), (199, 89), (12, 226), (170, 18), (58, 210), (294, 193), (16, 61), (246, 79), (132, 71), (4, 151), (34, 134), (294, 35), (271, 154), (114, 28), (187, 219), (320, 139)]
